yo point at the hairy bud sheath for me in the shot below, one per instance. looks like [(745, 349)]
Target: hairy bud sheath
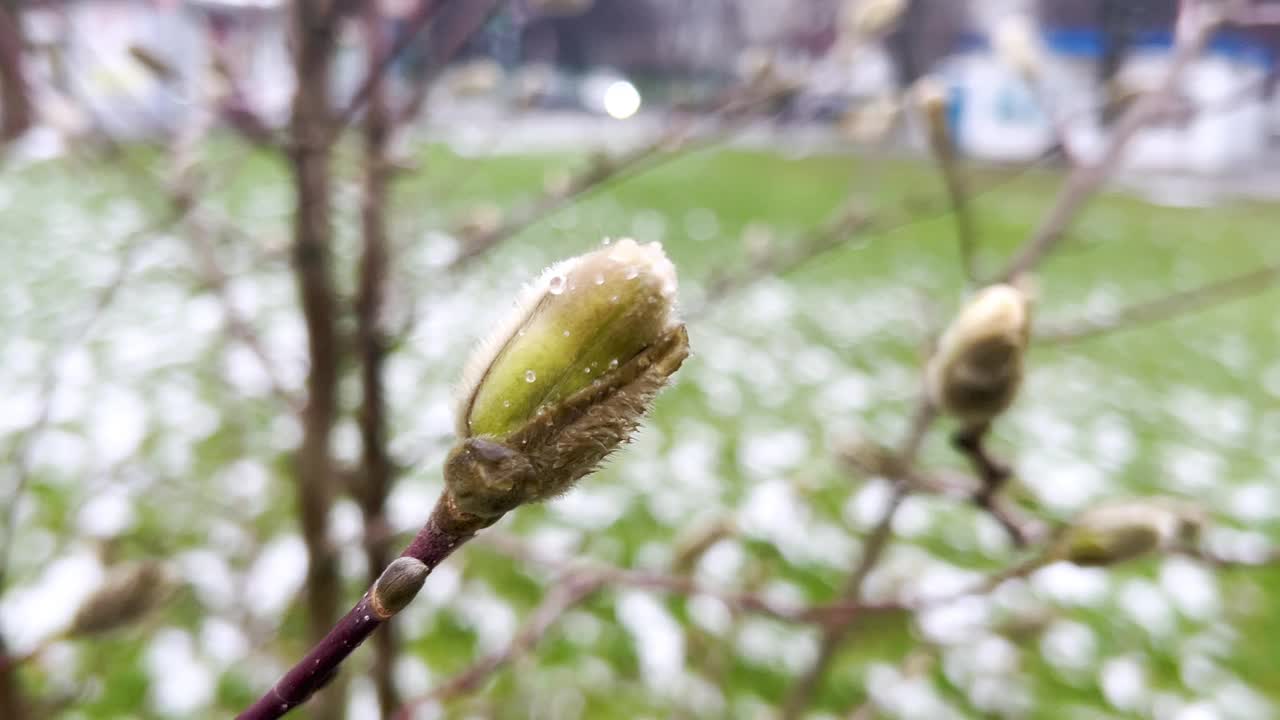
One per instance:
[(975, 373), (1121, 531), (567, 379), (128, 594)]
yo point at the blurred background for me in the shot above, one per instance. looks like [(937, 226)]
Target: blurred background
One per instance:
[(247, 246)]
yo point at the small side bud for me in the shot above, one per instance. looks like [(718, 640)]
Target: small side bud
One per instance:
[(1122, 531), (397, 586), (566, 379), (128, 593), (977, 369)]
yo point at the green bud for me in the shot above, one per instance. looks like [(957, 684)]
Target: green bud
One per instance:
[(397, 586), (1121, 531), (977, 369), (566, 379)]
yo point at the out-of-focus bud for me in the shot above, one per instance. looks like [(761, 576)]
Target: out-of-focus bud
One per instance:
[(478, 77), (975, 373), (870, 458), (1018, 46), (1121, 531), (871, 122), (757, 241), (870, 18), (693, 544), (397, 586), (766, 72), (566, 379), (932, 97), (128, 593), (533, 83), (480, 221)]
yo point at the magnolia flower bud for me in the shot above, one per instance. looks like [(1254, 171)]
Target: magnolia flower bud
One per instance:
[(566, 379), (975, 373), (128, 593), (1121, 531)]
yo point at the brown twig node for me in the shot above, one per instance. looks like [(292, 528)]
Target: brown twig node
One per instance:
[(446, 530)]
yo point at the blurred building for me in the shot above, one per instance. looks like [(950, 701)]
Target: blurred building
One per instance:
[(1092, 58)]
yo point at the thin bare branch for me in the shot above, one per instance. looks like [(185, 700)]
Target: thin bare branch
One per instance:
[(1169, 307), (564, 596), (376, 469), (1195, 24), (942, 148), (682, 584), (315, 31), (677, 141)]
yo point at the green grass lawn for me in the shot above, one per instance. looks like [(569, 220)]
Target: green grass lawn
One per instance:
[(780, 369)]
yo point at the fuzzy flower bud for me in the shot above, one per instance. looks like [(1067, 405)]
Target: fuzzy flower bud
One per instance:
[(976, 371), (566, 379), (128, 593), (1121, 531)]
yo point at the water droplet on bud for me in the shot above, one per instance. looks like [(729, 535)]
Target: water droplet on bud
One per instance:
[(530, 376)]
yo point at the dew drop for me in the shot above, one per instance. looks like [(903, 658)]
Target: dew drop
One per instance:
[(556, 286), (633, 272), (613, 363), (566, 333), (530, 376), (613, 299), (506, 403), (600, 279), (607, 241), (586, 370), (366, 618)]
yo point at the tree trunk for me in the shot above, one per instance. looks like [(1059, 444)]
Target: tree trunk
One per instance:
[(314, 30)]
